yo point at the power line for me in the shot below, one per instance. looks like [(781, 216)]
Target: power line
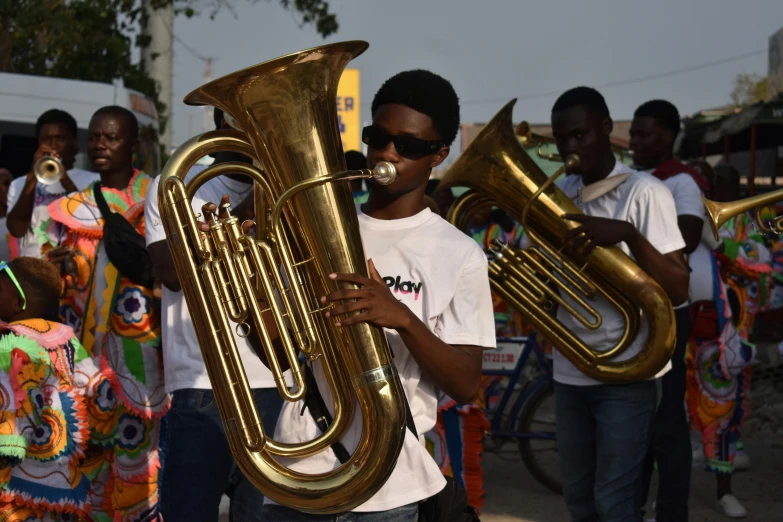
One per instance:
[(619, 83)]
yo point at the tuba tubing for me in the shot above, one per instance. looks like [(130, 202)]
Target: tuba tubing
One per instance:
[(286, 110), (499, 171)]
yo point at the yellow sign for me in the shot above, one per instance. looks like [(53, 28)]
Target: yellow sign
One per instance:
[(348, 115)]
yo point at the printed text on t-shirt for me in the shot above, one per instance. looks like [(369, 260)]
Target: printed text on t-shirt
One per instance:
[(403, 287)]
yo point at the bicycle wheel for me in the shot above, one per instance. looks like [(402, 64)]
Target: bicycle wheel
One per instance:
[(540, 455)]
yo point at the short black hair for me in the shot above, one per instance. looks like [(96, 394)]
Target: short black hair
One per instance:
[(355, 160), (665, 113), (585, 96), (54, 116), (116, 110), (424, 92), (41, 283)]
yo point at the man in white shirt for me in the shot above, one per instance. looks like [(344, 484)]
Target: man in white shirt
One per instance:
[(27, 199), (603, 430), (199, 465), (653, 131), (428, 287)]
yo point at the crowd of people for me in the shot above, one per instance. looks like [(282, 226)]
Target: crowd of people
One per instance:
[(107, 410)]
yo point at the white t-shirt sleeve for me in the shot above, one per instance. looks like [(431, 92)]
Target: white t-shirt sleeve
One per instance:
[(469, 318), (655, 216), (153, 227), (687, 195), (14, 191)]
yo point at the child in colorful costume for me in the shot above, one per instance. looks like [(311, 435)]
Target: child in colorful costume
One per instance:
[(45, 379)]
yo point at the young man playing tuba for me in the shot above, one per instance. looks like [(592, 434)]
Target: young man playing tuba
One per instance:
[(603, 430)]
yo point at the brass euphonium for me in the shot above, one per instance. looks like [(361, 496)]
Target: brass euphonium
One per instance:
[(501, 173), (719, 212), (287, 111)]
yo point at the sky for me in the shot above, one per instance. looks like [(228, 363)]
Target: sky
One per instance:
[(495, 50)]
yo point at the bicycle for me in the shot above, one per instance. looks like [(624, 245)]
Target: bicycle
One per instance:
[(534, 388)]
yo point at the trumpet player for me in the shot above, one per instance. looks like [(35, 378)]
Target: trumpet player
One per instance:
[(28, 198), (603, 430)]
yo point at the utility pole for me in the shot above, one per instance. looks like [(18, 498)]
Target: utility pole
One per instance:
[(209, 123), (158, 59)]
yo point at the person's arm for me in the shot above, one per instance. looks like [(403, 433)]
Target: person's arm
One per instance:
[(690, 209), (157, 246), (454, 368), (690, 228), (669, 270)]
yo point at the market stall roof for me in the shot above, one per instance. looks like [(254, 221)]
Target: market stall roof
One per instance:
[(710, 134), (763, 113)]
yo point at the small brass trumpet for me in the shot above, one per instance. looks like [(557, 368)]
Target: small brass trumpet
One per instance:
[(718, 213), (48, 170)]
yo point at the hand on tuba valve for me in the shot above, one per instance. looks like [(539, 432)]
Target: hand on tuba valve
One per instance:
[(535, 280)]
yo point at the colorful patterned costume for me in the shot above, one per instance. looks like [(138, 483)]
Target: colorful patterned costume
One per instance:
[(456, 445), (119, 326), (718, 369), (44, 432)]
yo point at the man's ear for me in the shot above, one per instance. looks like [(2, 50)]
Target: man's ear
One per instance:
[(608, 126), (440, 156)]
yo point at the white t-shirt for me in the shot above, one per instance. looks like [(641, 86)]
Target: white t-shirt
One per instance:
[(183, 363), (687, 195), (688, 201), (30, 245), (441, 275), (646, 203), (701, 287)]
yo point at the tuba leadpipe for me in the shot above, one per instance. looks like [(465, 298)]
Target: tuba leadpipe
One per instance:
[(285, 113), (533, 281)]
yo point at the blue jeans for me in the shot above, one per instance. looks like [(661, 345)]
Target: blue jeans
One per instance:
[(275, 513), (199, 465), (603, 433)]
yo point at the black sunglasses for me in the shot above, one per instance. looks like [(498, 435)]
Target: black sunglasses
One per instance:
[(407, 146)]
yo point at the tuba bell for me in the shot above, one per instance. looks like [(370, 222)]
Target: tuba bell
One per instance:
[(285, 110), (48, 170), (499, 172)]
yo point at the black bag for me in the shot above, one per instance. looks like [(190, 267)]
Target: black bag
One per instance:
[(126, 248), (448, 505)]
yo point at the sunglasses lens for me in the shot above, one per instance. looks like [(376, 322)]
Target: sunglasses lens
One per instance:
[(375, 137), (410, 147), (407, 146)]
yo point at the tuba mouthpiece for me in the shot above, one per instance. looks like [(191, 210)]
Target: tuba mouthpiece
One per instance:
[(572, 161), (384, 173)]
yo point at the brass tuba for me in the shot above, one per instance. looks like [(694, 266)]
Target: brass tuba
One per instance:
[(500, 173), (719, 213), (287, 111)]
